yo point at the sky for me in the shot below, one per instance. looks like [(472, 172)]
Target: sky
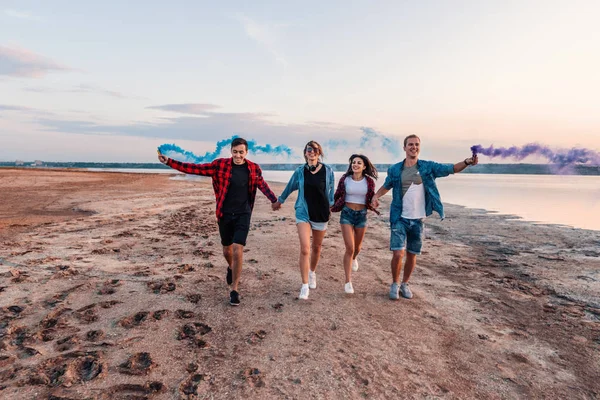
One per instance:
[(110, 81)]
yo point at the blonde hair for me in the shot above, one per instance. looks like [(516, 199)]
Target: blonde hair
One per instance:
[(411, 137)]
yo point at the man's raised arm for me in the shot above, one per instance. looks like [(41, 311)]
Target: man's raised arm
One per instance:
[(458, 167), (188, 168)]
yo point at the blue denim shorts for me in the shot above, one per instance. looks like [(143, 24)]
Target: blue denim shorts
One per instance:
[(315, 226), (357, 219), (407, 234)]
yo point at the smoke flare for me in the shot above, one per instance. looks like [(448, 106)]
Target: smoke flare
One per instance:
[(374, 139), (561, 157), (177, 153)]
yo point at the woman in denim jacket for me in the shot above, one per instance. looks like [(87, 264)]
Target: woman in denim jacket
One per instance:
[(314, 182), (353, 197)]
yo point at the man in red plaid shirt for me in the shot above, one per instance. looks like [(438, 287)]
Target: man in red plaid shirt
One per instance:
[(235, 181)]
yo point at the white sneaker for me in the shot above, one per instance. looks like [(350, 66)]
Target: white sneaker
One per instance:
[(405, 291), (348, 288), (312, 279), (303, 293), (355, 265)]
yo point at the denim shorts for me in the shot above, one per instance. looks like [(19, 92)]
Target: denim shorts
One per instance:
[(315, 226), (356, 218), (407, 234)]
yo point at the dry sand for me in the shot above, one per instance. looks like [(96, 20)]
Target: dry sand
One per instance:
[(112, 286)]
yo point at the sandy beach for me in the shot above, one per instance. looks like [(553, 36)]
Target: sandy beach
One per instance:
[(112, 286)]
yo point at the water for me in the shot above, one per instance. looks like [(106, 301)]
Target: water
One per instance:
[(135, 170), (557, 199), (571, 200)]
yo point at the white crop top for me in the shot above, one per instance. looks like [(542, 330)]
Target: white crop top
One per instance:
[(356, 191)]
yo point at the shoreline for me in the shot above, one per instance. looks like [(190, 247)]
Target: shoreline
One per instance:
[(574, 223), (487, 168), (112, 266)]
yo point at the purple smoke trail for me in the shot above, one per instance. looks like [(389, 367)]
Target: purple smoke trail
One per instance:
[(562, 157)]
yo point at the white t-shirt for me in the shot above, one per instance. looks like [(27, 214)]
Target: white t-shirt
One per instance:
[(356, 191), (413, 200)]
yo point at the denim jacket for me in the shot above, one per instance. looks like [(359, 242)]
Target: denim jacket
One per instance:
[(297, 183), (428, 170)]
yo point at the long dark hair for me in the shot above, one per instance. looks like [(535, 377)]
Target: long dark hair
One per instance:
[(369, 171)]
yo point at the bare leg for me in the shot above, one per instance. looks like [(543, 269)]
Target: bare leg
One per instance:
[(348, 235), (315, 252), (359, 235), (304, 236), (238, 253), (409, 266), (397, 264), (228, 254)]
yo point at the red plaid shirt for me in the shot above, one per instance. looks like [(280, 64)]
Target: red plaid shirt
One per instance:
[(220, 172), (339, 198)]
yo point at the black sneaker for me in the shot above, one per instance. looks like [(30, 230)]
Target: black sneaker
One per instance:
[(229, 276), (234, 298)]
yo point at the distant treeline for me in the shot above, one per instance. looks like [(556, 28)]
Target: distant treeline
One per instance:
[(529, 169)]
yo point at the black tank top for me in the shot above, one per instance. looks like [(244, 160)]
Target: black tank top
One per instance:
[(315, 194)]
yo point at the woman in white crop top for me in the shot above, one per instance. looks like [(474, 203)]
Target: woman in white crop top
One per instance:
[(353, 197)]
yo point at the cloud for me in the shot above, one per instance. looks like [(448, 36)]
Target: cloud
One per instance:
[(92, 89), (8, 107), (24, 63), (22, 15), (83, 88), (29, 113), (265, 35), (186, 108), (207, 126)]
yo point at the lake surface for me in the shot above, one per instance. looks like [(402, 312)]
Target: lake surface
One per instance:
[(571, 200)]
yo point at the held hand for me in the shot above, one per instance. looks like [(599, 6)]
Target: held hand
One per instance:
[(375, 202), (471, 161), (162, 158), (276, 206)]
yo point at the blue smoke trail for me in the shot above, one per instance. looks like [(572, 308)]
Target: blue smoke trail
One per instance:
[(268, 149), (177, 153), (334, 144), (370, 140), (561, 157), (374, 139)]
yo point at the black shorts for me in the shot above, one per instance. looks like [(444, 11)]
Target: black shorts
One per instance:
[(234, 228)]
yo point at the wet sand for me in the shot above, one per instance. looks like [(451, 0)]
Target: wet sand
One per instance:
[(112, 286)]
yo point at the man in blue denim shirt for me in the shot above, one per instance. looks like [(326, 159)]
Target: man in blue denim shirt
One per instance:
[(414, 197)]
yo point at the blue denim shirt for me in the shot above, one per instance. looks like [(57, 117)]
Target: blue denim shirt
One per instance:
[(297, 183), (428, 170)]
